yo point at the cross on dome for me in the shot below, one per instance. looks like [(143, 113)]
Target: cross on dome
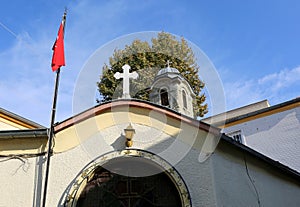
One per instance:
[(168, 63)]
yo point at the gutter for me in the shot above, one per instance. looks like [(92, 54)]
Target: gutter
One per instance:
[(21, 134)]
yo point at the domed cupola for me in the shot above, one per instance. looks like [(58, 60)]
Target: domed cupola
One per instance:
[(170, 89), (168, 70)]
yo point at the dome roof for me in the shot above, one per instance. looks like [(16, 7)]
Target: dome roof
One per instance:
[(167, 70)]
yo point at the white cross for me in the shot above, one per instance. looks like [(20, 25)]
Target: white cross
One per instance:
[(126, 76), (168, 63)]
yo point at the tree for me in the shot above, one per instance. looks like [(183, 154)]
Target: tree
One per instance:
[(148, 59)]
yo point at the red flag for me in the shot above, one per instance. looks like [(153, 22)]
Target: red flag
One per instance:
[(58, 58)]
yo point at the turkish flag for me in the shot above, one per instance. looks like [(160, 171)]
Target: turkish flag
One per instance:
[(58, 58)]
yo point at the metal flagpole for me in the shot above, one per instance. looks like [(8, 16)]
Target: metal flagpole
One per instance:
[(50, 137), (58, 60)]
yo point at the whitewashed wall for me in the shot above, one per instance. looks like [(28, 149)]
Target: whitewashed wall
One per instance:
[(242, 180), (66, 166), (221, 180), (21, 181), (277, 136), (18, 181)]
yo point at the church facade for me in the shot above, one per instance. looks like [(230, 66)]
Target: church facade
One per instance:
[(131, 152)]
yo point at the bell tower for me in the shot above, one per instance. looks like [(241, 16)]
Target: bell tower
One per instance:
[(171, 90)]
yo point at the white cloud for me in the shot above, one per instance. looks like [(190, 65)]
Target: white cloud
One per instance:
[(283, 79), (24, 87), (276, 87)]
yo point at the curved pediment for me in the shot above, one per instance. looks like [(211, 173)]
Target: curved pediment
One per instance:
[(153, 124)]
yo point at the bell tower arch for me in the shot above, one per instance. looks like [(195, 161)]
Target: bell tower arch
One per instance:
[(170, 89)]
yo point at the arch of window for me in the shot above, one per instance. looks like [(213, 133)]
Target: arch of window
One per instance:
[(164, 97), (102, 184)]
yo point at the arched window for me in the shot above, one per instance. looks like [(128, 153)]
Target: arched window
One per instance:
[(184, 99), (164, 97), (116, 185), (128, 178)]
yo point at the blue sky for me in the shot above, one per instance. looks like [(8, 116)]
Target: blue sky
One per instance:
[(254, 46)]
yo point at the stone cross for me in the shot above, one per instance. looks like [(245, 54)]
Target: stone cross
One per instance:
[(126, 76), (168, 63)]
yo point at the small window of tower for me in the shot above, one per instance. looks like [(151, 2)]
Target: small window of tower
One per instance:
[(164, 97), (184, 99)]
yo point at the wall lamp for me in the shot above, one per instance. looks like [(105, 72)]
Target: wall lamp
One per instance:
[(129, 132)]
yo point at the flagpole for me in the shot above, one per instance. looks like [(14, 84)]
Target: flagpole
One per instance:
[(50, 137)]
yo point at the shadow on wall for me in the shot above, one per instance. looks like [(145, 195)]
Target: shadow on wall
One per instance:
[(38, 178)]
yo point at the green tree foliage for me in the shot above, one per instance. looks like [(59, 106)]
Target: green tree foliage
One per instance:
[(147, 59)]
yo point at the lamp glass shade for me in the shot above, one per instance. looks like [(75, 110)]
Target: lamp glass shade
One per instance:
[(129, 132)]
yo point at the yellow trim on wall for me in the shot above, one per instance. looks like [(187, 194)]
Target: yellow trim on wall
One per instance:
[(14, 122), (22, 146), (263, 114), (76, 134), (121, 115)]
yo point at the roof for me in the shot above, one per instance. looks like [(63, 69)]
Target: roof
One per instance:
[(259, 109), (101, 108), (7, 115), (134, 103), (167, 70)]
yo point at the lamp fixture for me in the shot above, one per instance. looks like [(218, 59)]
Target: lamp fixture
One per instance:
[(129, 132)]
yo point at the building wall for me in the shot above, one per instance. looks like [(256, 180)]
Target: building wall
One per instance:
[(242, 180), (197, 178), (227, 178), (6, 124), (276, 136), (21, 179), (220, 180), (11, 121)]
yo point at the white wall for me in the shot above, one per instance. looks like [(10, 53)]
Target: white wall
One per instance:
[(66, 166), (20, 181), (219, 181), (234, 187), (276, 136)]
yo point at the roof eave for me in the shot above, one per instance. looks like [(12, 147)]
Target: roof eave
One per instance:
[(23, 134)]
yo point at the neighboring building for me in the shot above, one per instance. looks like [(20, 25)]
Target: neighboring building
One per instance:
[(11, 121), (137, 153), (271, 130)]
